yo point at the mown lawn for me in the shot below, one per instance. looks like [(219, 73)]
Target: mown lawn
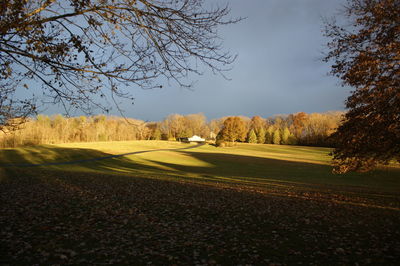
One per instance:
[(248, 204), (243, 162)]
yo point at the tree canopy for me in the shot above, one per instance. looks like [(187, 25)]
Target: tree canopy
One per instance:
[(76, 50), (234, 129), (365, 54)]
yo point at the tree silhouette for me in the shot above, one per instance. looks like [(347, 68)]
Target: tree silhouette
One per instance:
[(366, 56), (76, 50)]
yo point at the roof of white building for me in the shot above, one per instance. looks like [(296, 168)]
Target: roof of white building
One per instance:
[(196, 138)]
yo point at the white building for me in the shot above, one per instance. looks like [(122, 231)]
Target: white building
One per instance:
[(196, 138)]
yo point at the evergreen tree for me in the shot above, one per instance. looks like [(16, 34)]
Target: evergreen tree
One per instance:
[(276, 138), (261, 136), (269, 135), (219, 140), (285, 136), (252, 137)]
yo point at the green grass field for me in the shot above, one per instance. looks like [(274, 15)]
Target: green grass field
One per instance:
[(241, 163), (178, 204)]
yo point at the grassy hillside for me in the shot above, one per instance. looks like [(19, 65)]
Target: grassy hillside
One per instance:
[(249, 163), (174, 204)]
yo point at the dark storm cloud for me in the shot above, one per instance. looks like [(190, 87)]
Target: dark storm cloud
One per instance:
[(278, 70)]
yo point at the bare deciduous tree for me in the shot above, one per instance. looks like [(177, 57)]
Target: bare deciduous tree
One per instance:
[(76, 50)]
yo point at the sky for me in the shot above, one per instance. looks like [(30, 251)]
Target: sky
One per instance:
[(279, 68)]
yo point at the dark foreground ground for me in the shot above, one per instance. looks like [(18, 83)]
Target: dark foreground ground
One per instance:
[(78, 218)]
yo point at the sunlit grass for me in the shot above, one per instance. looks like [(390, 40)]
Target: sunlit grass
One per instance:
[(117, 147), (284, 152), (250, 164)]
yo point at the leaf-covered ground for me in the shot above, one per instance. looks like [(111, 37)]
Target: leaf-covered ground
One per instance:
[(53, 217)]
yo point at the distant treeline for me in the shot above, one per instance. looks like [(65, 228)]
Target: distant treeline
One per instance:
[(300, 129)]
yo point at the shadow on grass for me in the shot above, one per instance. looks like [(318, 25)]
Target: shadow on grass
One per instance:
[(218, 167), (47, 156), (260, 171), (117, 219)]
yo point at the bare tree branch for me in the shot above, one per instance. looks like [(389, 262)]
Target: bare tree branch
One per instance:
[(78, 49), (366, 56)]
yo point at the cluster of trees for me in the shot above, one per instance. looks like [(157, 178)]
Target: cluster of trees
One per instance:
[(80, 49), (177, 126), (299, 128), (58, 129)]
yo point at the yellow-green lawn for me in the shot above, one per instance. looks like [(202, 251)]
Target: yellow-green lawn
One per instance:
[(172, 203), (242, 163)]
